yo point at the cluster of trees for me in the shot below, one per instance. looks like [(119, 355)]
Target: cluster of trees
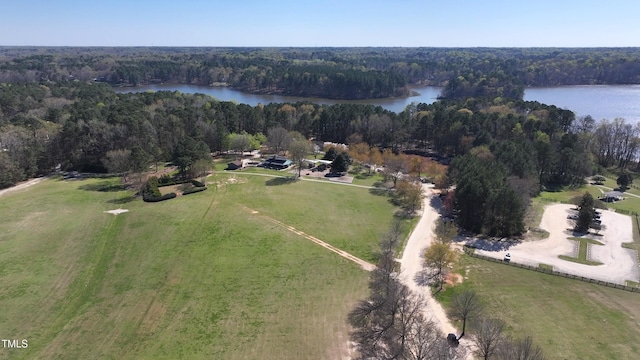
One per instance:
[(526, 145), (614, 143), (485, 199), (586, 213), (346, 73), (390, 323), (479, 85)]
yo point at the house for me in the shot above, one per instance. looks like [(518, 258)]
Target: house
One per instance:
[(276, 162), (235, 165), (612, 196)]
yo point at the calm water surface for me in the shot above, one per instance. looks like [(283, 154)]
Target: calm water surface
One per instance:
[(428, 95), (599, 101)]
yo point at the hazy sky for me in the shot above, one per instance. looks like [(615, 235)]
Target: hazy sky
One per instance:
[(444, 23)]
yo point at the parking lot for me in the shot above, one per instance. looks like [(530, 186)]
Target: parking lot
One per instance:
[(618, 264)]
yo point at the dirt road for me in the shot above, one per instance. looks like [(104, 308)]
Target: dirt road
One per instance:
[(365, 265), (420, 238), (22, 185)]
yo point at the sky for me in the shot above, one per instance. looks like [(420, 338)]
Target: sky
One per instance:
[(330, 23)]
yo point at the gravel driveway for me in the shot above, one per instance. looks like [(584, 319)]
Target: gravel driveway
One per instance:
[(619, 264)]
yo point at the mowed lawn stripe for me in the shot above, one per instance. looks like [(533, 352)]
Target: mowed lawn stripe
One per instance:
[(365, 265), (194, 277)]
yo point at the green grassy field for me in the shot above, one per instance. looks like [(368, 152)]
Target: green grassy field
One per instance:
[(568, 319), (194, 277)]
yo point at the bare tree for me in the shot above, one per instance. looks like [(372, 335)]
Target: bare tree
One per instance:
[(278, 138), (200, 169), (465, 306), (394, 165), (487, 337), (390, 323), (298, 150), (520, 350), (427, 344), (118, 161)]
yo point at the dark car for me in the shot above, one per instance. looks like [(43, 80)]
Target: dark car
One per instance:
[(452, 339)]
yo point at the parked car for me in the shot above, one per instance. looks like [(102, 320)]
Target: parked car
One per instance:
[(452, 339)]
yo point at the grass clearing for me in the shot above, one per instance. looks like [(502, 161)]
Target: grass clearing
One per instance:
[(568, 319), (533, 216), (178, 189), (632, 283), (583, 251), (192, 277), (545, 266)]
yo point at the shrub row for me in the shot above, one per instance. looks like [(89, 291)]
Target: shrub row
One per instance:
[(197, 183), (150, 192), (194, 190), (160, 198), (166, 180)]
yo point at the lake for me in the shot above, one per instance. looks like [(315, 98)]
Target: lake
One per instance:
[(599, 101), (428, 95)]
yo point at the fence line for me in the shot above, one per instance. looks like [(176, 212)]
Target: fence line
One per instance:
[(469, 251)]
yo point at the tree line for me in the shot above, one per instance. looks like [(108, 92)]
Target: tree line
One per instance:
[(519, 147), (341, 73)]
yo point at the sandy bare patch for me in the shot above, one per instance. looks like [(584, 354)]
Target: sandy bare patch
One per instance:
[(453, 279), (231, 181), (116, 211)]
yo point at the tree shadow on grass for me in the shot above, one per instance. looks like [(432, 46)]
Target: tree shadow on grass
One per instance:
[(122, 200), (380, 189), (280, 181), (104, 186), (361, 176), (492, 244), (404, 214)]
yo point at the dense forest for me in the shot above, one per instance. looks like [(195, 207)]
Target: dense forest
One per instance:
[(503, 150), (338, 73)]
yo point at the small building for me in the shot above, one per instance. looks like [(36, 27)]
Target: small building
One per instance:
[(235, 165), (276, 162), (311, 163), (612, 196)]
